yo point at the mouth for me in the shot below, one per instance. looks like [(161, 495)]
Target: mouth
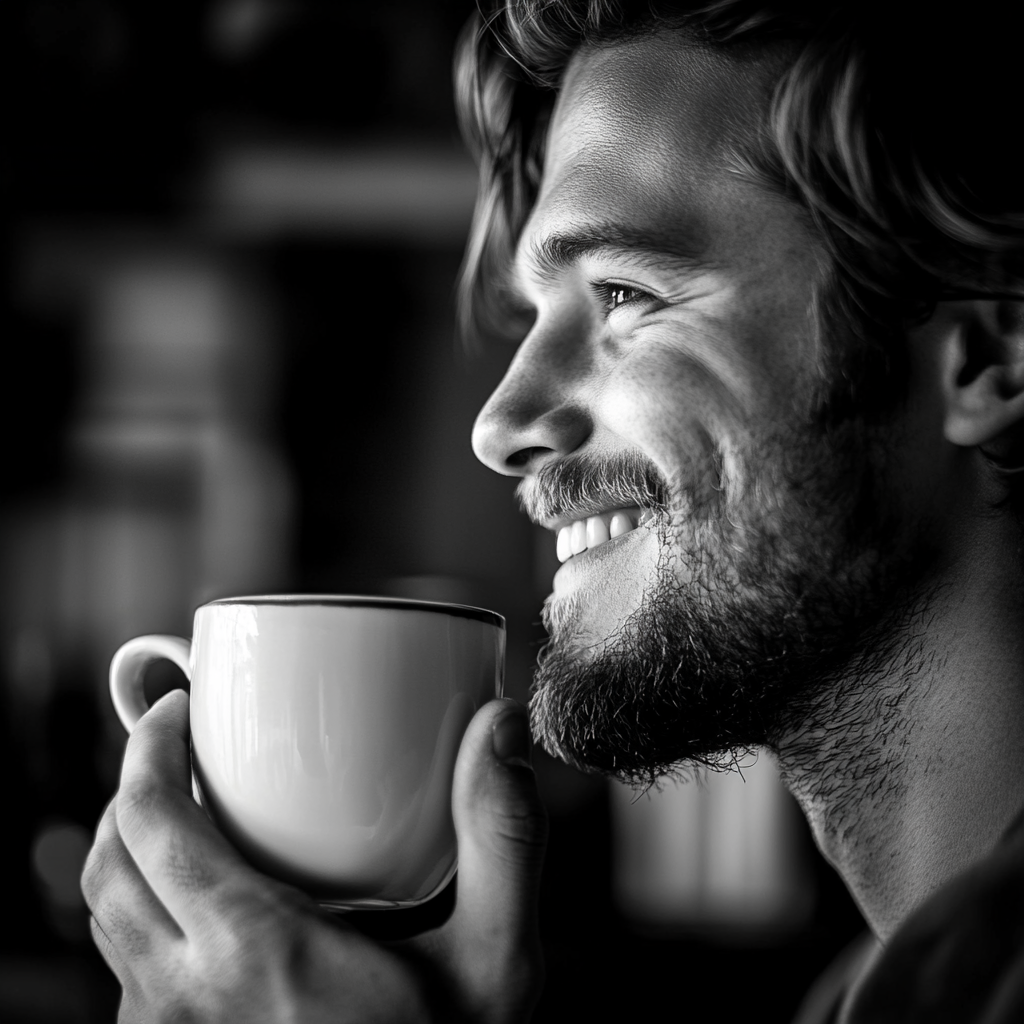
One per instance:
[(582, 535)]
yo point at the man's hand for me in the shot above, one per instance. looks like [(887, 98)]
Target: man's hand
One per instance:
[(959, 959), (194, 933)]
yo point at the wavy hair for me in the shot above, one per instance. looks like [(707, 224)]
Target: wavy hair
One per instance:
[(893, 126)]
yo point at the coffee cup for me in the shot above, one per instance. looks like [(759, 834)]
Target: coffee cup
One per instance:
[(325, 730)]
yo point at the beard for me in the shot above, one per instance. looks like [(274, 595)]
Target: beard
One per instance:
[(772, 576)]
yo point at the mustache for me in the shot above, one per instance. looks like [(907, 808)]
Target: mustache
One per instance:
[(578, 486)]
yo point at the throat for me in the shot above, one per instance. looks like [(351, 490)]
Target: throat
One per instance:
[(909, 766)]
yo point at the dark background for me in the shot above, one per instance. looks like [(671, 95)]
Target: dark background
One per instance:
[(231, 231)]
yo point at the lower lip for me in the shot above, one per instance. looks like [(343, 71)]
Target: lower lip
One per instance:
[(592, 556)]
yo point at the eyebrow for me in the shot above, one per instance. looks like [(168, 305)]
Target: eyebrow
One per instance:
[(562, 250)]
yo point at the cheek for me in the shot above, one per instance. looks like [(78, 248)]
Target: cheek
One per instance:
[(673, 408)]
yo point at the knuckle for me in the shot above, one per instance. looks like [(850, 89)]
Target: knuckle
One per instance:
[(92, 883), (121, 943), (523, 824), (98, 870), (121, 933), (106, 948), (92, 880)]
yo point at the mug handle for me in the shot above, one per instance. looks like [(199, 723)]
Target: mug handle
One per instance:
[(130, 662)]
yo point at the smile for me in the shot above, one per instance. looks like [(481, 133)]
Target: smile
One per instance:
[(587, 534)]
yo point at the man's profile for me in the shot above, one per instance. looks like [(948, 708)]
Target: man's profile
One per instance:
[(762, 263)]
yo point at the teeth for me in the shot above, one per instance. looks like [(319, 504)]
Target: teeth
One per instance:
[(564, 549), (621, 523), (578, 537), (597, 530)]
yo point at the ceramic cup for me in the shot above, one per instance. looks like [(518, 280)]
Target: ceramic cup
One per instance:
[(325, 730)]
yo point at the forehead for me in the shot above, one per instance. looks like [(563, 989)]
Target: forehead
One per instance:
[(648, 131)]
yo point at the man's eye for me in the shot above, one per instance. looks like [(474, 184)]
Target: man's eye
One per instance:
[(612, 296)]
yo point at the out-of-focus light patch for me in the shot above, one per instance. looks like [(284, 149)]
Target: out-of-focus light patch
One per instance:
[(58, 856), (719, 856), (158, 333), (30, 664), (404, 193), (179, 492), (237, 28)]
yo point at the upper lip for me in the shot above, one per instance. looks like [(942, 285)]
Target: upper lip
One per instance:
[(578, 488)]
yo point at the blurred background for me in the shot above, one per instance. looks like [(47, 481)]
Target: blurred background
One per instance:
[(231, 232)]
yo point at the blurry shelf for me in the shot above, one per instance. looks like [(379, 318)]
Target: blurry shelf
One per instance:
[(412, 194)]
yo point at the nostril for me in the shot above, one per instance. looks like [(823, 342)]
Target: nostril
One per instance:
[(523, 457)]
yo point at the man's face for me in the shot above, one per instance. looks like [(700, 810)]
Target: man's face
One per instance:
[(672, 387)]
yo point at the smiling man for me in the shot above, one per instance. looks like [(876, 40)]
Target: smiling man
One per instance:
[(761, 264), (675, 379), (769, 399)]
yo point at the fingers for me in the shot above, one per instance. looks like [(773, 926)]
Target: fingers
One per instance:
[(128, 923), (502, 832), (130, 989), (499, 820), (112, 884), (132, 995), (159, 742), (188, 865)]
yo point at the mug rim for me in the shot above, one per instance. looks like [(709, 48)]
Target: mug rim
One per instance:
[(366, 601)]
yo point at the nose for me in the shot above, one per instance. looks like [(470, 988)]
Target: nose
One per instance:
[(538, 412)]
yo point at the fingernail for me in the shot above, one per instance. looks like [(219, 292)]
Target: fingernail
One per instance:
[(511, 737)]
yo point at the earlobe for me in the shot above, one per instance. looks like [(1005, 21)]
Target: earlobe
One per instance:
[(983, 374)]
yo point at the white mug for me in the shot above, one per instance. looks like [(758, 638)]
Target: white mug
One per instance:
[(325, 731)]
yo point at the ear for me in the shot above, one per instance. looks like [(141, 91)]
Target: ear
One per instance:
[(983, 373)]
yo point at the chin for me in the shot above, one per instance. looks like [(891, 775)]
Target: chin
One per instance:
[(740, 632)]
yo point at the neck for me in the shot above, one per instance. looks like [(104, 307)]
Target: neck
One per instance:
[(927, 767)]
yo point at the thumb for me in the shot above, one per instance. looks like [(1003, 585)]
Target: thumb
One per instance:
[(502, 829)]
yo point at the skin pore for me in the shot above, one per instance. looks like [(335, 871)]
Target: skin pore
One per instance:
[(841, 596)]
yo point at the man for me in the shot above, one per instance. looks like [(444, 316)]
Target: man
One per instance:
[(768, 396)]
